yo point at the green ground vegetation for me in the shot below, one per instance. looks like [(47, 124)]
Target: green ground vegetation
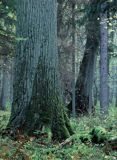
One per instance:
[(89, 141)]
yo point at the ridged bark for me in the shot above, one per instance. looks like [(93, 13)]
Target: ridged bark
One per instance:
[(104, 89), (5, 82), (37, 99)]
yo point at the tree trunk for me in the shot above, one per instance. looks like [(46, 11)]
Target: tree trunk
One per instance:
[(73, 60), (85, 79), (5, 86), (116, 90), (37, 100), (103, 60)]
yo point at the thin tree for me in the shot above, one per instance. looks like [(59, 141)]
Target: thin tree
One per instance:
[(104, 91), (73, 58), (5, 83)]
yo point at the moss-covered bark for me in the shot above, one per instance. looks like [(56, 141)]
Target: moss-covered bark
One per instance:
[(37, 102)]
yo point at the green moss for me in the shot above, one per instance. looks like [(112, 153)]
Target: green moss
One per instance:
[(4, 118), (99, 135), (47, 129)]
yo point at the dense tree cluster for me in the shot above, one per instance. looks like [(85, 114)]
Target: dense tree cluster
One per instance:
[(60, 46)]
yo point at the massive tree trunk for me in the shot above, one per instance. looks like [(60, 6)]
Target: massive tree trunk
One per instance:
[(85, 79), (37, 99), (104, 90)]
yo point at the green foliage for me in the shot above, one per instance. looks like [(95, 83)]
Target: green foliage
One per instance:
[(4, 117), (7, 27), (39, 148), (99, 135)]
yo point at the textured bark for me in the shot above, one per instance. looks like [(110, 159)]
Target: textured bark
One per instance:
[(85, 78), (65, 48), (5, 89), (104, 92), (73, 60), (37, 99), (116, 97), (96, 92), (115, 85)]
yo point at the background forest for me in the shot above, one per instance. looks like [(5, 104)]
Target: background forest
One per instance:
[(58, 79)]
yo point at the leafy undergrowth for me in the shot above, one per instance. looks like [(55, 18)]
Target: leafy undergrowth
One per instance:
[(4, 117), (81, 146)]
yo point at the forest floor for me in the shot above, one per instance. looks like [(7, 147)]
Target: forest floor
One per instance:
[(80, 146)]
